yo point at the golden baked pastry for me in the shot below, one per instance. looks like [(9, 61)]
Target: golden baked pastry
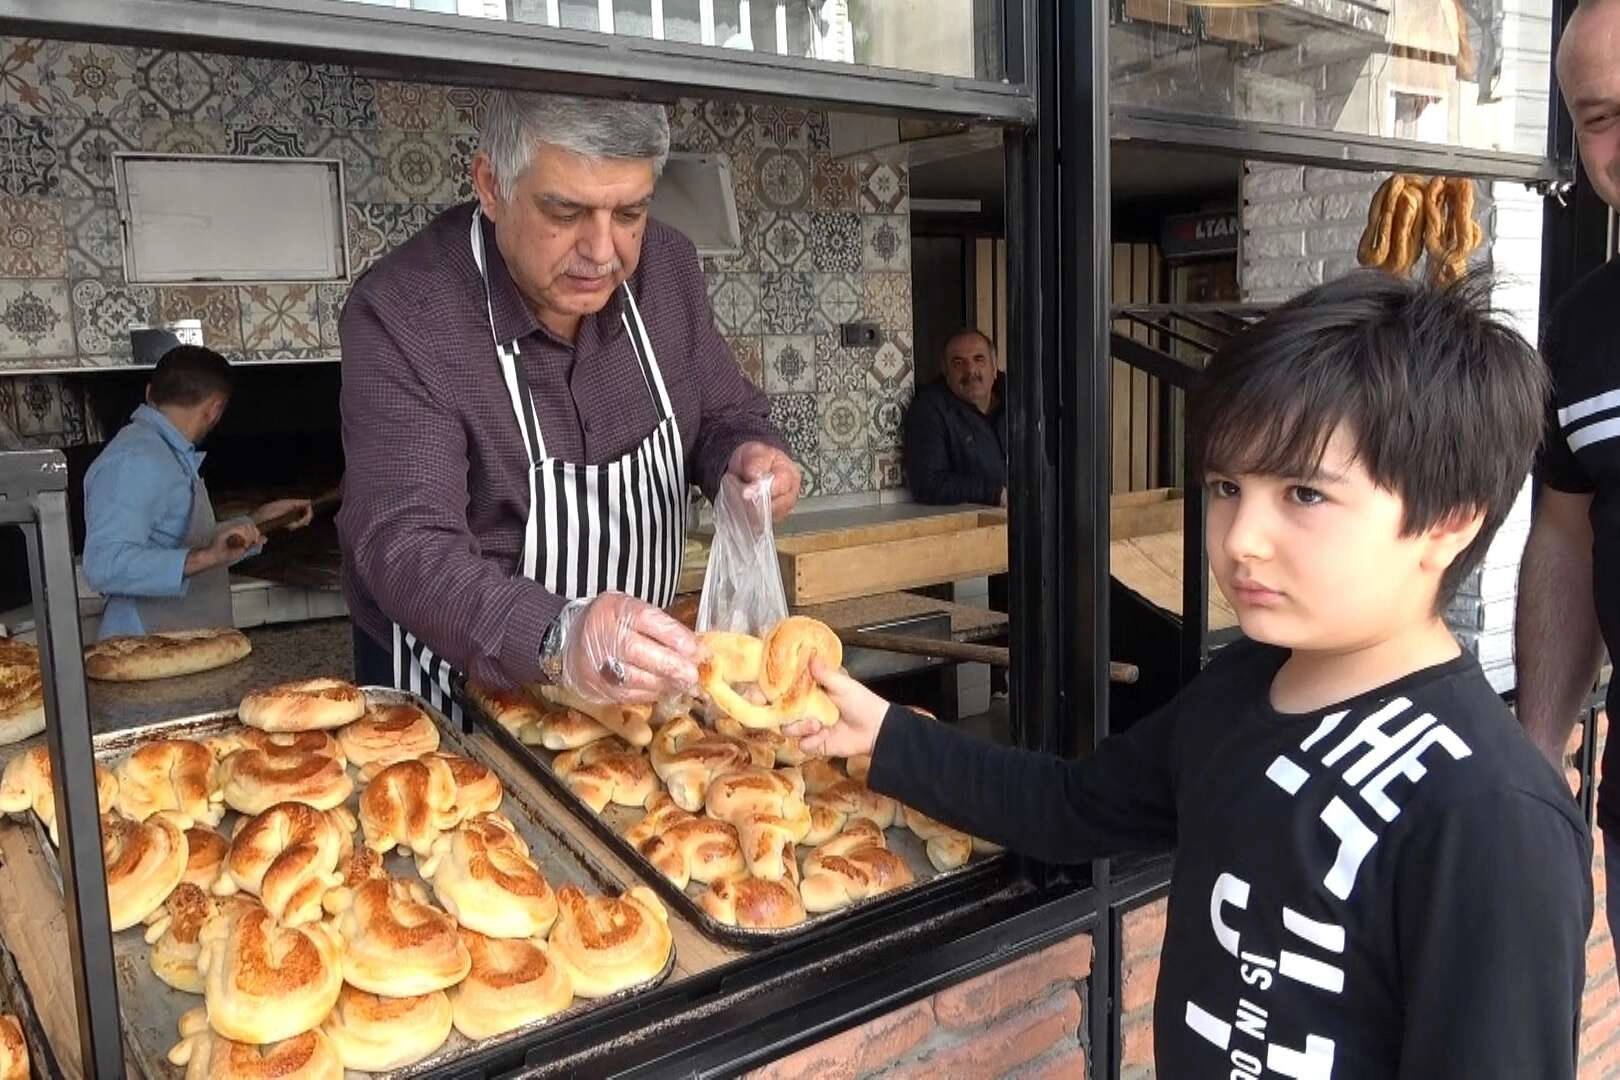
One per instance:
[(947, 848), (265, 982), (754, 904), (632, 723), (389, 733), (26, 784), (478, 789), (276, 745), (768, 809), (13, 1050), (607, 771), (375, 1034), (145, 861), (685, 847), (170, 774), (482, 875), (396, 943), (207, 1055), (606, 944), (856, 802), (861, 764), (361, 865), (175, 933), (205, 857), (307, 705), (22, 692), (778, 666), (770, 748), (565, 729), (408, 804), (686, 758), (164, 655), (515, 710), (851, 867), (513, 982), (288, 857), (821, 774), (254, 779)]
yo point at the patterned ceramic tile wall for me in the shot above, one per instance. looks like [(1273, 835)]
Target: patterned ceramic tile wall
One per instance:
[(825, 241)]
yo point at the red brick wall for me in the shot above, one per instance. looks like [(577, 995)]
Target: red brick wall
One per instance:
[(1600, 1014), (1023, 1020)]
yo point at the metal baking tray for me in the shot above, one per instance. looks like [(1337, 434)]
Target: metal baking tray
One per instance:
[(151, 1009), (609, 826)]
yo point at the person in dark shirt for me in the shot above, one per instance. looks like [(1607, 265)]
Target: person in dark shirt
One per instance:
[(956, 431), (1376, 874)]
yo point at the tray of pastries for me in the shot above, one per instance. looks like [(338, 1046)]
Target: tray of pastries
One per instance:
[(734, 824), (330, 880)]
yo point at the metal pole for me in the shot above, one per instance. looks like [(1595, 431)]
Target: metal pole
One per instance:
[(67, 735)]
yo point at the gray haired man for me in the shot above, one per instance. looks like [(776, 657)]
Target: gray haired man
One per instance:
[(529, 386)]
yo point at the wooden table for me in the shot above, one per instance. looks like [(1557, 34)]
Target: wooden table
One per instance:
[(1150, 566)]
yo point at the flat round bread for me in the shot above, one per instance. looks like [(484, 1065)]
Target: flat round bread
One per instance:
[(22, 692), (164, 655)]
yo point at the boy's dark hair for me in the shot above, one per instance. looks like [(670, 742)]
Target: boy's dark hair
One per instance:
[(1446, 402), (189, 375)]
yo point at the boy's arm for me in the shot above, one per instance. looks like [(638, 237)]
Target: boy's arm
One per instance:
[(1117, 800), (1493, 904)]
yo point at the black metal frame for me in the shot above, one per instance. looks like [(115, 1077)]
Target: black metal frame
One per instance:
[(33, 495)]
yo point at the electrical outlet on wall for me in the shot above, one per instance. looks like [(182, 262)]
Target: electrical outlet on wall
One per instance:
[(860, 335)]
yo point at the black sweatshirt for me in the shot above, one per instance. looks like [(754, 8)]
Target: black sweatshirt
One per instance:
[(955, 453), (1396, 886)]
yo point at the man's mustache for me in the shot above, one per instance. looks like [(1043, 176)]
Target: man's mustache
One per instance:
[(593, 270)]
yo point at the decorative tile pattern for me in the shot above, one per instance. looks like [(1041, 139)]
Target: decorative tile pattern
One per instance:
[(280, 317), (781, 126), (89, 79), (87, 145), (887, 298), (103, 314), (787, 304), (182, 85), (783, 178), (885, 188), (28, 155), (730, 123), (95, 239), (36, 318), (790, 364), (750, 354), (33, 239), (886, 429), (255, 90), (688, 131), (886, 242), (888, 470), (416, 168), (809, 473), (334, 97), (836, 243), (412, 106), (360, 152), (840, 297), (736, 303), (468, 106), (834, 185), (463, 148), (375, 229), (845, 472), (38, 406), (266, 140), (783, 241), (843, 417), (837, 368), (891, 367), (75, 416), (818, 129), (745, 182), (185, 137), (217, 306), (329, 301), (24, 84), (795, 417)]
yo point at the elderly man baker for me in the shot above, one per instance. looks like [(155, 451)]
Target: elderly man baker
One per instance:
[(529, 385)]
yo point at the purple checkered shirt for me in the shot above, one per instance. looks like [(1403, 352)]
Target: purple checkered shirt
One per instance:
[(435, 487)]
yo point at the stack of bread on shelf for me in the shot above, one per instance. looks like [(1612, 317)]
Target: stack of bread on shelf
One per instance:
[(259, 861), (728, 808)]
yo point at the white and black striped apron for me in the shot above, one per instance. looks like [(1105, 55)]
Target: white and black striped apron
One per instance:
[(617, 527)]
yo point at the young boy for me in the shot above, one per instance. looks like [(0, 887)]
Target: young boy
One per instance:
[(1376, 874)]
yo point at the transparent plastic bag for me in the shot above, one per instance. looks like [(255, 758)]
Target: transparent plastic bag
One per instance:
[(742, 588)]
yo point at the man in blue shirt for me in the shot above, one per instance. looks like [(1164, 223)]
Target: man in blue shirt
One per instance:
[(152, 546)]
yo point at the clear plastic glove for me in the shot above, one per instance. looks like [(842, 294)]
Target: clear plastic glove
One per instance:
[(860, 716), (618, 649)]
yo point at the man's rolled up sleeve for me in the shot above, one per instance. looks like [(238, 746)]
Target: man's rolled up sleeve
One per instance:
[(404, 516)]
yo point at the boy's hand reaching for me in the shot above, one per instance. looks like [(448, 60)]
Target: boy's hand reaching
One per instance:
[(860, 715)]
